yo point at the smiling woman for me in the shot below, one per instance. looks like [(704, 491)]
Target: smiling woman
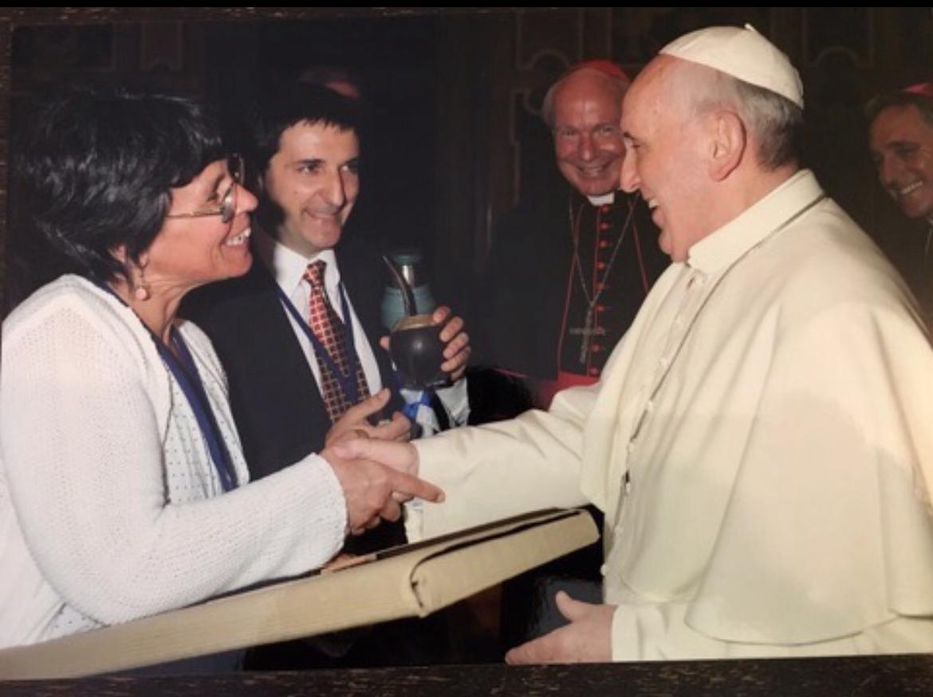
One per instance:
[(208, 244), (134, 193), (123, 487)]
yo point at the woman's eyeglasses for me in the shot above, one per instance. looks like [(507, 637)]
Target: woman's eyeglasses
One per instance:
[(227, 208)]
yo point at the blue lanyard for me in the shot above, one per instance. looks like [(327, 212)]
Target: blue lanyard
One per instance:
[(186, 374), (348, 383), (185, 371)]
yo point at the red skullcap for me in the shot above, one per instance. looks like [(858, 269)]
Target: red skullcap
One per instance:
[(606, 67), (924, 89)]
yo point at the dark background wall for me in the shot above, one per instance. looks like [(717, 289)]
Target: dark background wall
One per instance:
[(455, 94)]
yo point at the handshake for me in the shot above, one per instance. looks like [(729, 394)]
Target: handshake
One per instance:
[(375, 465)]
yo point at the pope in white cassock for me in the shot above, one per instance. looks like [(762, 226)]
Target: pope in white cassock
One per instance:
[(762, 439)]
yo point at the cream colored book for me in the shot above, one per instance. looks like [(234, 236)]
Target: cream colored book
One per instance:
[(407, 581)]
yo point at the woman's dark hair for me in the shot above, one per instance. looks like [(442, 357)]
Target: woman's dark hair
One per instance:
[(94, 171)]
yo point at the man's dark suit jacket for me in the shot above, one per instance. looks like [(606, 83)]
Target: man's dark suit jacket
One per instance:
[(281, 418), (275, 399)]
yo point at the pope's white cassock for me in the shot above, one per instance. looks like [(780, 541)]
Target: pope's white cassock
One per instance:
[(761, 444)]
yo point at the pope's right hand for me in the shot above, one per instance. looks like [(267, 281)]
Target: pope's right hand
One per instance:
[(377, 477)]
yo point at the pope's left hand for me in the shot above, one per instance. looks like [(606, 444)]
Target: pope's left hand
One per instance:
[(587, 639)]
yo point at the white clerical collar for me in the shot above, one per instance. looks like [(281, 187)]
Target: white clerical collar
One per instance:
[(288, 266), (722, 247), (603, 200)]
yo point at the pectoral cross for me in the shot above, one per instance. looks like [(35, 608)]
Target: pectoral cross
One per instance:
[(586, 332)]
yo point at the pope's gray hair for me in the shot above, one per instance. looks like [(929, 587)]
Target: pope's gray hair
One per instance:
[(775, 121)]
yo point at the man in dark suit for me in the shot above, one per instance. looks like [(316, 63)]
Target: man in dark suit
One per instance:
[(305, 160), (299, 335)]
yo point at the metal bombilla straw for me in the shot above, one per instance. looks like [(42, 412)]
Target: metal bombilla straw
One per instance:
[(408, 296)]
